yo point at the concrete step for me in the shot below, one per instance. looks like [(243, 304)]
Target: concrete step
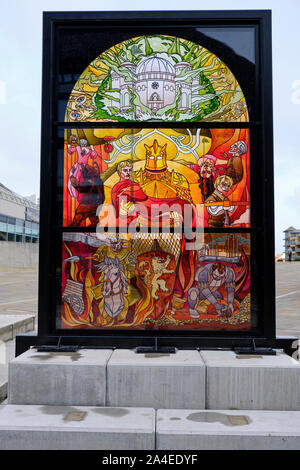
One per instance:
[(187, 379), (27, 427), (249, 382), (12, 325), (156, 380), (7, 353), (105, 377), (227, 430), (3, 381), (48, 378)]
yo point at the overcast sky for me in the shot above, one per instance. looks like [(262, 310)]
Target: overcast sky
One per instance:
[(20, 90)]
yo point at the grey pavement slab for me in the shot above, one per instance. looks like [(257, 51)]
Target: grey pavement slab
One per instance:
[(41, 378), (156, 380), (251, 382), (28, 427), (227, 430), (287, 277), (18, 291), (288, 298)]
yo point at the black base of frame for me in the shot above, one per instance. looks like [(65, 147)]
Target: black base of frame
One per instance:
[(253, 349), (155, 349), (289, 344)]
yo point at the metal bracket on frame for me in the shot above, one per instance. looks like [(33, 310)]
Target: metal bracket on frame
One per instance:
[(155, 349), (254, 350), (57, 348)]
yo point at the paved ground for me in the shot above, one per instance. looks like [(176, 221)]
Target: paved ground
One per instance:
[(18, 291), (288, 298)]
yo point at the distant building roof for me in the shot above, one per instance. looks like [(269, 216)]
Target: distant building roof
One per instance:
[(291, 229), (11, 196)]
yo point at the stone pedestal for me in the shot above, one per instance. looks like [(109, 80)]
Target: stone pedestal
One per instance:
[(56, 401), (3, 381), (59, 378), (12, 325), (156, 380), (76, 428), (227, 430), (251, 382)]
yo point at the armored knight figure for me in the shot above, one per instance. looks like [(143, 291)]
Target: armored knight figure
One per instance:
[(156, 180), (210, 278)]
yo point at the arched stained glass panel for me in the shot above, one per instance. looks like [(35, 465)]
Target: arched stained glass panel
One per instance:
[(215, 92)]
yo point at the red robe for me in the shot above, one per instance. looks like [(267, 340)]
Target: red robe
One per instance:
[(134, 193)]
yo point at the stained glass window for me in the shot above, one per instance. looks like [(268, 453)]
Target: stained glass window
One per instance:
[(156, 160), (192, 84)]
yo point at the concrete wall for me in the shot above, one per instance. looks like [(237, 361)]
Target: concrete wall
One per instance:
[(12, 209), (19, 255)]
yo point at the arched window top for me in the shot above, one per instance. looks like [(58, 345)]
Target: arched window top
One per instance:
[(126, 99), (155, 97), (184, 100), (215, 92)]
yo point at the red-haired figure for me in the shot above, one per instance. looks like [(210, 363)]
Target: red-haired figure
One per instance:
[(207, 175), (84, 152), (90, 192)]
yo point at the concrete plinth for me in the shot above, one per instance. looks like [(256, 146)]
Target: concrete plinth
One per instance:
[(12, 325), (81, 428), (227, 430), (3, 382), (251, 382), (156, 380), (59, 378)]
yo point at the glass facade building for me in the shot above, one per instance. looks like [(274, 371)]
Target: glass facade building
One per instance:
[(18, 230), (19, 218)]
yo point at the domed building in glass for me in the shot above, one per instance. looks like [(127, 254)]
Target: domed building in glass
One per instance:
[(154, 81)]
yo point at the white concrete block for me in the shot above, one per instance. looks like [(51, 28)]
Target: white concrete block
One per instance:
[(40, 378), (156, 380), (227, 430), (28, 427), (11, 325), (23, 326), (6, 330), (3, 382), (248, 382)]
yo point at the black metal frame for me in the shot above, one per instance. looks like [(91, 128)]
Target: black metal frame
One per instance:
[(290, 345), (262, 199)]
